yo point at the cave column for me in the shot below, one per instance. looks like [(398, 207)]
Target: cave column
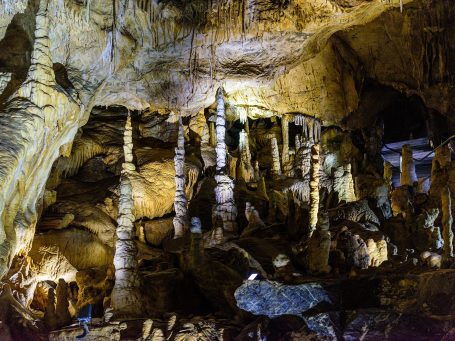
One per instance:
[(180, 202), (225, 210), (314, 187), (447, 233), (407, 168), (125, 298)]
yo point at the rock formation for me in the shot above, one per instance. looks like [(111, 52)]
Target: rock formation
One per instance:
[(276, 125), (407, 167), (276, 163), (125, 297), (314, 187), (447, 221), (245, 169), (225, 210), (317, 258), (180, 201)]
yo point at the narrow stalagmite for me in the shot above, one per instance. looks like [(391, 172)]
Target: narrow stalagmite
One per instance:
[(225, 210), (212, 134), (180, 202), (317, 257), (276, 166), (408, 172), (220, 133), (447, 220), (125, 298), (61, 309), (314, 187), (285, 133), (245, 170), (388, 174), (441, 159)]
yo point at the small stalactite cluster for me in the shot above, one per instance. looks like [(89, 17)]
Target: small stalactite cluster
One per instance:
[(311, 127)]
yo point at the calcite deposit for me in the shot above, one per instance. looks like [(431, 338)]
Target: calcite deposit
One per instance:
[(227, 170)]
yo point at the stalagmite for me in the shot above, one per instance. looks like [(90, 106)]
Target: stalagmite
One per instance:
[(441, 160), (180, 201), (245, 170), (388, 174), (61, 309), (285, 133), (255, 222), (447, 220), (125, 297), (225, 210), (276, 166), (212, 133), (314, 187), (317, 257), (408, 172), (50, 318), (343, 183), (220, 133)]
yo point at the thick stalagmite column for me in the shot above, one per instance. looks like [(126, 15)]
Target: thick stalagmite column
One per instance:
[(276, 166), (245, 170), (180, 201), (408, 172), (314, 187), (125, 298), (447, 220), (225, 210)]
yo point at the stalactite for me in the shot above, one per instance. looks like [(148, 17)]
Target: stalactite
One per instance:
[(87, 10), (180, 203), (276, 165), (311, 127), (314, 187), (13, 6), (125, 298), (225, 210), (408, 172), (447, 220)]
